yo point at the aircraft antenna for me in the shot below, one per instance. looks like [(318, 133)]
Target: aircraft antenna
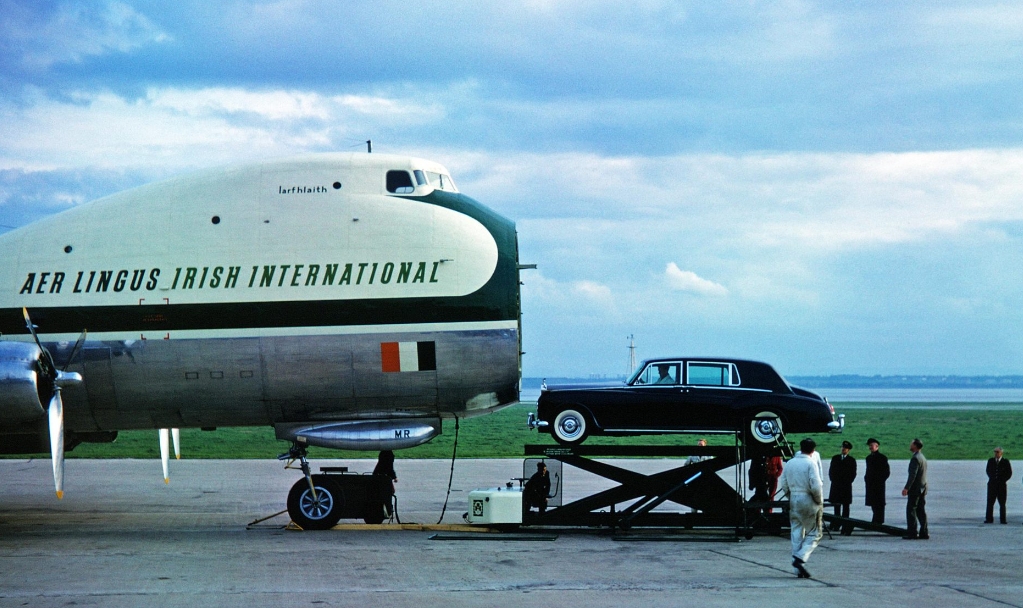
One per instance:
[(369, 146), (632, 354)]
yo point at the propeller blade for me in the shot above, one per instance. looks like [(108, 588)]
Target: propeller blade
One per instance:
[(165, 453), (176, 436), (28, 323), (55, 410), (55, 414), (76, 349), (49, 370)]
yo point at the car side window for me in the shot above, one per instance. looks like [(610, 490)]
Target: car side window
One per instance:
[(662, 372), (711, 374)]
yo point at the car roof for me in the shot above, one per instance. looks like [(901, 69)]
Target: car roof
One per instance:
[(708, 359)]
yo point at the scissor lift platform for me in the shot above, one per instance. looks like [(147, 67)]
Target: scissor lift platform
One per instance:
[(713, 502)]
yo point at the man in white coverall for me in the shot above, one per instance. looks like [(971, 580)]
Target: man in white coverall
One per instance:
[(801, 480)]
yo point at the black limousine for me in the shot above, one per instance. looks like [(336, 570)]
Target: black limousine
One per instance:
[(677, 395)]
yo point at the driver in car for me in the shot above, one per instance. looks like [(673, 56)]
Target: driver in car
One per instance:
[(664, 372)]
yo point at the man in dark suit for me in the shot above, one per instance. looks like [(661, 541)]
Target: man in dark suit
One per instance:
[(875, 478), (842, 473), (916, 491), (538, 488), (998, 473)]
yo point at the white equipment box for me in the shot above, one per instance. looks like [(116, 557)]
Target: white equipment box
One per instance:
[(495, 506)]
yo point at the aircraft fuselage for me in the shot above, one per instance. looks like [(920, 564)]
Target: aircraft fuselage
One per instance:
[(330, 289)]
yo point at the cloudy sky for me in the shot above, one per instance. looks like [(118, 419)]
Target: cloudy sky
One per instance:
[(833, 187)]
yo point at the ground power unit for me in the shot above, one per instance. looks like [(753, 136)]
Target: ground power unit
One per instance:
[(495, 506)]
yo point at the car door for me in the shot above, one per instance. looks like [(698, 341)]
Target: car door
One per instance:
[(710, 392), (652, 401)]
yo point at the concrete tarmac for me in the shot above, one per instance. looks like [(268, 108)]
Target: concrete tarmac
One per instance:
[(121, 537)]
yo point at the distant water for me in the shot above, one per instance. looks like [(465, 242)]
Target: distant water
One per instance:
[(895, 395), (922, 395)]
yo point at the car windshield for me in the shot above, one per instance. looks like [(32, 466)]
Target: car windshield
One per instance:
[(658, 372)]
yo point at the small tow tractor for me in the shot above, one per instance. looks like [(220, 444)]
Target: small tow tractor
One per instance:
[(319, 502)]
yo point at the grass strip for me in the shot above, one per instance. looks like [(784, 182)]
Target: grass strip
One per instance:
[(949, 431)]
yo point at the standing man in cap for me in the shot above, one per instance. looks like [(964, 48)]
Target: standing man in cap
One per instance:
[(998, 473), (877, 474), (842, 473), (801, 480), (916, 491)]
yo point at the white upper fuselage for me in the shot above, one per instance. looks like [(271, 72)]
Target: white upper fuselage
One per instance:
[(316, 228)]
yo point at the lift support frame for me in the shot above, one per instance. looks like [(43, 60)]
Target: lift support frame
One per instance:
[(714, 503)]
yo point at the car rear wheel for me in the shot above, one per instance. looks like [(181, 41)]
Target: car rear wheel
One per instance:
[(765, 427), (570, 427)]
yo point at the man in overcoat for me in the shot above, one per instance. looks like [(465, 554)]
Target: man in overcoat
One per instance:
[(998, 473), (875, 477), (842, 473)]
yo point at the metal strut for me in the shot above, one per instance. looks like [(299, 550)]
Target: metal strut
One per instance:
[(693, 485), (298, 452)]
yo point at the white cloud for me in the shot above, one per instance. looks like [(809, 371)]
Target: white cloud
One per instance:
[(174, 129), (76, 31), (812, 203), (580, 298), (688, 281), (271, 105)]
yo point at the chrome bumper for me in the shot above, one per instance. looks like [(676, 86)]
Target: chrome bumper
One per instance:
[(837, 426), (535, 423)]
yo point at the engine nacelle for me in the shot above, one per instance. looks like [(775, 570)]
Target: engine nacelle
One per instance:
[(389, 434), (20, 383)]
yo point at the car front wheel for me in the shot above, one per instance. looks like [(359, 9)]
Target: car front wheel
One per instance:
[(570, 427), (765, 427)]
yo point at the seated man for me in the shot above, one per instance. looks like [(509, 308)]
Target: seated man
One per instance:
[(664, 374)]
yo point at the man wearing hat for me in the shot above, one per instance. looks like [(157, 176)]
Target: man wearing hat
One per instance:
[(877, 474), (801, 481), (842, 473), (998, 473)]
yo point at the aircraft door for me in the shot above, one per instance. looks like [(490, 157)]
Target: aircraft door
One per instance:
[(308, 377)]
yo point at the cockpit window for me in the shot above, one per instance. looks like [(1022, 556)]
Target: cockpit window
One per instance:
[(420, 177), (659, 372), (399, 182), (441, 181)]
